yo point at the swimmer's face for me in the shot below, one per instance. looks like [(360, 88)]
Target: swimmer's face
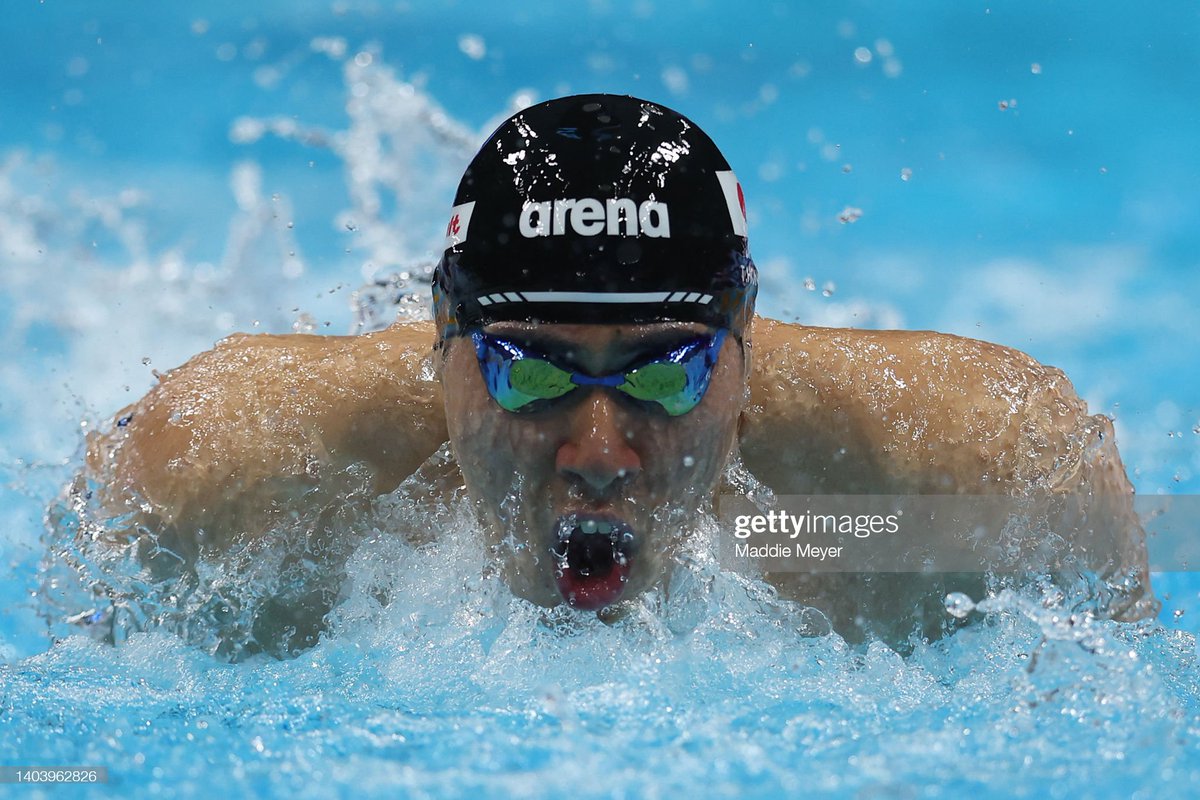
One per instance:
[(585, 498)]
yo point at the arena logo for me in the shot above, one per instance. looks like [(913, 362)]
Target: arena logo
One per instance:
[(588, 216)]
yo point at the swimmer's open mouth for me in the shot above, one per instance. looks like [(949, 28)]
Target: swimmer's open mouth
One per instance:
[(593, 555)]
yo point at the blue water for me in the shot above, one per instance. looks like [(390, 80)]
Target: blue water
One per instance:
[(147, 209)]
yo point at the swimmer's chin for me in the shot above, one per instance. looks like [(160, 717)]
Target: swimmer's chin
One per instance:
[(546, 595)]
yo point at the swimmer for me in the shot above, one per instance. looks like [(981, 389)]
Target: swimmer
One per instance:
[(595, 363)]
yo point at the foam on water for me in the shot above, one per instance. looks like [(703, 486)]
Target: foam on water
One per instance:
[(434, 680), (431, 678)]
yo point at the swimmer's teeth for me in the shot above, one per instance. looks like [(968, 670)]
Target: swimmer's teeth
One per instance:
[(588, 526), (604, 527)]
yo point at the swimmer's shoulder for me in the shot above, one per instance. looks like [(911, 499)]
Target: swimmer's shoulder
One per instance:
[(260, 411), (862, 409), (400, 339), (785, 346)]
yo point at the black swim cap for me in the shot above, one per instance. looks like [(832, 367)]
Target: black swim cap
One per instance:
[(596, 208)]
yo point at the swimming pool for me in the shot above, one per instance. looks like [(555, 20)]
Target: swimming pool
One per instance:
[(170, 176)]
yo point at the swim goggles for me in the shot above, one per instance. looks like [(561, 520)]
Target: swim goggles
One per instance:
[(520, 379)]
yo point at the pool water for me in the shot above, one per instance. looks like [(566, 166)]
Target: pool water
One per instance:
[(169, 175)]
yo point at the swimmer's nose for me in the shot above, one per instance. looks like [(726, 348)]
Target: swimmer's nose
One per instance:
[(598, 450)]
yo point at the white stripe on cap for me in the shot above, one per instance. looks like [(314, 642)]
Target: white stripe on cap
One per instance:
[(596, 297)]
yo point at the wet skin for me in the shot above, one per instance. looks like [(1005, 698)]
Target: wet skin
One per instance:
[(596, 454)]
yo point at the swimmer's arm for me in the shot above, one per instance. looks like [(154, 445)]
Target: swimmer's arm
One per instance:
[(836, 411), (849, 411), (224, 440)]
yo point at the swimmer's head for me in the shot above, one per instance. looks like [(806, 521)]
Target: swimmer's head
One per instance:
[(596, 209), (595, 260)]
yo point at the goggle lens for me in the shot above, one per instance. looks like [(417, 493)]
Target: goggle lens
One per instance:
[(522, 380)]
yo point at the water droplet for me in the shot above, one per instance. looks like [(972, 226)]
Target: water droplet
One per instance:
[(828, 289), (1177, 613), (77, 67), (428, 373), (862, 55), (849, 215), (175, 418), (1035, 68), (472, 46), (675, 79), (688, 461), (847, 168), (304, 323), (146, 361), (958, 605), (905, 174), (810, 284)]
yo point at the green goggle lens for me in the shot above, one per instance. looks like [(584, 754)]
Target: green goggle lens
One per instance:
[(655, 381), (539, 379)]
